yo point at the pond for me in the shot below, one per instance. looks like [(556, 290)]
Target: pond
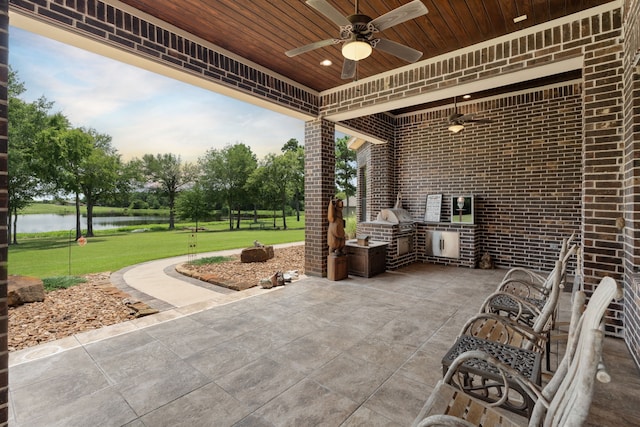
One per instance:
[(40, 223)]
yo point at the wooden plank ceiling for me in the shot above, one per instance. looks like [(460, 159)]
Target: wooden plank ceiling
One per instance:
[(262, 30)]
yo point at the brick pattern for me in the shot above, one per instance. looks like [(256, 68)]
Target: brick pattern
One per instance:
[(524, 171), (4, 201), (631, 108), (108, 24), (320, 160)]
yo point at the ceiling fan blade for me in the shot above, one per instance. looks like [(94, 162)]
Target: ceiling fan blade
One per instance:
[(311, 46), (399, 15), (329, 11), (348, 69), (396, 49)]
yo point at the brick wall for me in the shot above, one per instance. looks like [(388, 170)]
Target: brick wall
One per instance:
[(4, 200), (524, 171), (149, 38), (631, 108)]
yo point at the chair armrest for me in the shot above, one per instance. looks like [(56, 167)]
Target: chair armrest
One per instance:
[(443, 421)]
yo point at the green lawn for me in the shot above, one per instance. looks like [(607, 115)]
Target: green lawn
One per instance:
[(50, 254)]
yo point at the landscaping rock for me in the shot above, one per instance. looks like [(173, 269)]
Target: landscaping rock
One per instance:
[(256, 254), (24, 289)]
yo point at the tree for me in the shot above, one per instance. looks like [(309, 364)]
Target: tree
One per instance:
[(168, 171), (225, 173), (191, 204), (101, 174), (294, 149), (345, 168), (291, 145), (62, 151), (26, 122)]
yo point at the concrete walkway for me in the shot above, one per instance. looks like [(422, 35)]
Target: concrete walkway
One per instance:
[(157, 279)]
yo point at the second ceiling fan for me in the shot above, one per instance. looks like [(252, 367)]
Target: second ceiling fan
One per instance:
[(358, 33)]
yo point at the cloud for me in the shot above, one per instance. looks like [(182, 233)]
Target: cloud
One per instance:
[(142, 111)]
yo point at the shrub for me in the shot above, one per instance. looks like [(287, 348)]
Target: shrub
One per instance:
[(61, 282), (350, 227), (210, 260)]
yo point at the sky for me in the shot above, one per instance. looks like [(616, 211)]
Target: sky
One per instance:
[(143, 112)]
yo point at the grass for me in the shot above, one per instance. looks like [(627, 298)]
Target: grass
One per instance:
[(61, 282), (210, 260), (54, 254)]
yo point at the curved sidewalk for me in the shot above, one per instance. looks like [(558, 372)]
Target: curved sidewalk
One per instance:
[(157, 279)]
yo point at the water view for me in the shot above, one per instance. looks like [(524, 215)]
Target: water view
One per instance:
[(39, 223)]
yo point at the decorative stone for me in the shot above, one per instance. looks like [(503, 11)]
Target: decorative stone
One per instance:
[(24, 289), (256, 254), (266, 283), (277, 279)]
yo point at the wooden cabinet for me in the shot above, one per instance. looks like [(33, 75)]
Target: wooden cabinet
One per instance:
[(366, 261)]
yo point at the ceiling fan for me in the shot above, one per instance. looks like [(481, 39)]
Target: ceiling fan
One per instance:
[(457, 120), (357, 32)]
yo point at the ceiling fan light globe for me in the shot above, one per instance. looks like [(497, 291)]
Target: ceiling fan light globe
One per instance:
[(356, 50), (456, 128)]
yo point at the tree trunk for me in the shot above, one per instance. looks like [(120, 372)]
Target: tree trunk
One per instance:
[(11, 227), (172, 213), (238, 220), (89, 218), (15, 229), (230, 217), (255, 213), (284, 213), (297, 206), (78, 225)]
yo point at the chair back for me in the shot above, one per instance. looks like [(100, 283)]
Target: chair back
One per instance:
[(571, 387), (543, 321)]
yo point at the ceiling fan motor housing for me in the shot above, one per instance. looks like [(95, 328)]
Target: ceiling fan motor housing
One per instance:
[(360, 29)]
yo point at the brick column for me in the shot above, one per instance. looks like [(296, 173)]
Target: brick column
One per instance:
[(319, 187), (603, 150), (4, 324)]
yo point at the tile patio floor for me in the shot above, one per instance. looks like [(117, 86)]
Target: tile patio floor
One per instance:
[(316, 352)]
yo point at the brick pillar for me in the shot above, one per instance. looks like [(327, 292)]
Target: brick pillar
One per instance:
[(631, 96), (603, 149), (319, 187), (382, 181), (4, 324)]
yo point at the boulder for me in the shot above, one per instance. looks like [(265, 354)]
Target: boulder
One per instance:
[(256, 254), (24, 289)]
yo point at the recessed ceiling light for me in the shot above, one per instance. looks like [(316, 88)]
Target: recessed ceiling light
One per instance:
[(326, 63), (519, 19), (466, 97)]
